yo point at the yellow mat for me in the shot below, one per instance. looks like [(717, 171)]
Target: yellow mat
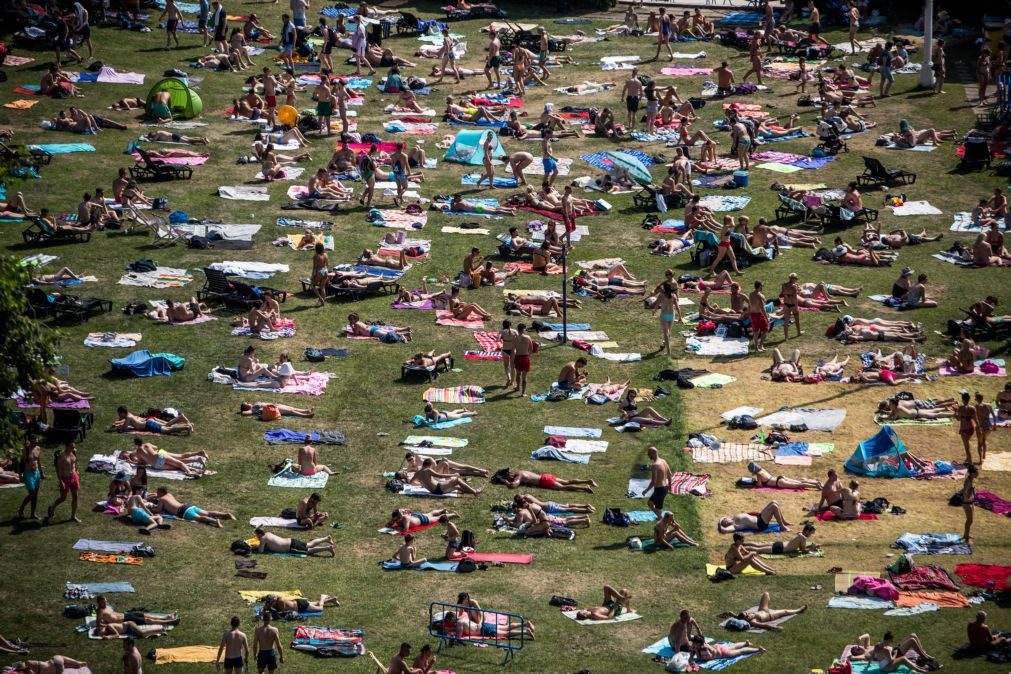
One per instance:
[(749, 571), (253, 596), (999, 461), (167, 656)]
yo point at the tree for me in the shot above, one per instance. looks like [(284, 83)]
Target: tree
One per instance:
[(26, 346)]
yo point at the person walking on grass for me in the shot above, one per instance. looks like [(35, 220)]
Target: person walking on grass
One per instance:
[(32, 476), (940, 66), (235, 647), (173, 16), (659, 481), (667, 304), (70, 481), (320, 274), (267, 645), (508, 337), (969, 500), (521, 358)]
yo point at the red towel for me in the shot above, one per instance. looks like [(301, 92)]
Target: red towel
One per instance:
[(421, 528), (552, 215), (504, 558), (829, 516), (991, 576)]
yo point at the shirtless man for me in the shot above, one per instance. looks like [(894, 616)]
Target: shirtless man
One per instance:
[(790, 294), (738, 558), (494, 61), (724, 79), (235, 647), (54, 665), (414, 462), (750, 522), (267, 645), (570, 378), (471, 265), (306, 460), (269, 542), (270, 85), (398, 664), (759, 316), (632, 92), (70, 481), (132, 423), (680, 632), (521, 358), (850, 508), (441, 483), (799, 543), (615, 603), (167, 504), (277, 605), (406, 554), (132, 662), (147, 454), (106, 616), (526, 478), (324, 104), (307, 512), (517, 161), (659, 481), (831, 492), (668, 529), (136, 510)]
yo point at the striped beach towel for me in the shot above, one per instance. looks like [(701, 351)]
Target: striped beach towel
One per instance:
[(446, 318), (731, 452), (682, 483), (482, 355), (465, 395), (489, 341)]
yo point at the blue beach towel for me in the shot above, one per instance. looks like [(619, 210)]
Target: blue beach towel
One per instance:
[(146, 364), (571, 326), (104, 588), (424, 566), (64, 148), (472, 178), (548, 453), (420, 422), (292, 479), (572, 431), (934, 544), (642, 516)]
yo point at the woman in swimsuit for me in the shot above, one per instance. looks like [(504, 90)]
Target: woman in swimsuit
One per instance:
[(985, 416), (54, 665), (433, 415), (647, 416), (969, 500), (850, 508), (888, 657), (387, 334), (765, 479), (968, 422), (725, 249), (704, 652), (667, 304)]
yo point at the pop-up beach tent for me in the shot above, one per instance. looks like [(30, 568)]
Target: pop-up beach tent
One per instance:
[(882, 455), (468, 148)]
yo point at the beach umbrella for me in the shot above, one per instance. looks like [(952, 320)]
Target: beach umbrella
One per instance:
[(635, 168)]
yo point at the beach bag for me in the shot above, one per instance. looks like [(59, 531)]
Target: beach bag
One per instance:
[(314, 355), (616, 518), (241, 547), (705, 328), (744, 422), (289, 514), (395, 485), (77, 611), (737, 625), (956, 499), (680, 662), (824, 255), (557, 396), (270, 413), (559, 600), (142, 265), (989, 367), (466, 565), (805, 101)]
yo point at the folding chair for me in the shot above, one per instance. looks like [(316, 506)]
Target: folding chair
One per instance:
[(164, 233)]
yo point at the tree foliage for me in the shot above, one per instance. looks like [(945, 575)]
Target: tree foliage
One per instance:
[(26, 346)]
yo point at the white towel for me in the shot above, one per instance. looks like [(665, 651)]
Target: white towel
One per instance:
[(279, 522), (578, 446), (243, 193), (915, 208)]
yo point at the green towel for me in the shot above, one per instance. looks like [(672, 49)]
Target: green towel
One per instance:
[(712, 379)]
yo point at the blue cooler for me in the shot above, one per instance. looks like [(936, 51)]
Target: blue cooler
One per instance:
[(741, 178)]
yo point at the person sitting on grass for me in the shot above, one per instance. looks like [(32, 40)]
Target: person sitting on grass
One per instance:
[(525, 478), (439, 482), (167, 504), (306, 460), (278, 606), (668, 529), (738, 558), (703, 652), (616, 602), (648, 416), (251, 370), (307, 513), (490, 276), (849, 509), (888, 657), (799, 544), (137, 511), (131, 423), (406, 520), (268, 542), (148, 455), (770, 514), (570, 378), (465, 311), (764, 479), (981, 639)]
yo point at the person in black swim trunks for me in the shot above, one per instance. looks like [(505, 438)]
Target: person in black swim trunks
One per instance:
[(659, 481), (632, 93), (754, 521), (278, 605), (267, 646), (831, 492), (269, 542), (763, 617), (235, 648), (764, 478), (798, 543)]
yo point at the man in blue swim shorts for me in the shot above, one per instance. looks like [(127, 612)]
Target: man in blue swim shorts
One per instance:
[(167, 504)]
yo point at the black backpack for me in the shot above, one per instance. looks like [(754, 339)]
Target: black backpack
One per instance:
[(289, 514), (314, 355), (466, 565), (241, 547), (616, 518), (142, 265), (135, 307), (559, 600), (744, 422), (77, 611), (200, 242), (467, 539), (142, 550), (395, 485)]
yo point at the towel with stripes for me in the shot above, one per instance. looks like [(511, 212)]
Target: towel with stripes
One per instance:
[(489, 341), (464, 395)]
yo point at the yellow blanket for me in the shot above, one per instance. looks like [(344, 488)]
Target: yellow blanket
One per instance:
[(711, 571), (253, 596), (166, 656)]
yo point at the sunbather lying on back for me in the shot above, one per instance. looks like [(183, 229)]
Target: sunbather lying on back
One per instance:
[(106, 615), (799, 543), (553, 507), (167, 504), (388, 334), (462, 624), (763, 617), (278, 606), (705, 652), (894, 408), (414, 462), (461, 205), (177, 312), (897, 238), (754, 522), (147, 454), (169, 137), (376, 260), (133, 103), (549, 307), (525, 478), (441, 483), (405, 519), (764, 478), (64, 274), (131, 422), (615, 603)]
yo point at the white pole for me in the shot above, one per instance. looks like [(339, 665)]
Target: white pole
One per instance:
[(927, 73)]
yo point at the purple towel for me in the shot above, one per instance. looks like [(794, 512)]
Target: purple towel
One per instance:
[(993, 503), (812, 162), (427, 305), (75, 405)]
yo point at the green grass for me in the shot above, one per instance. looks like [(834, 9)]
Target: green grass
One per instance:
[(193, 569)]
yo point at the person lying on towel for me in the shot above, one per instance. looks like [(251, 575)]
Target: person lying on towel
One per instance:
[(111, 624), (754, 521), (615, 603), (405, 519), (173, 425), (764, 478), (278, 606), (441, 483), (525, 478), (799, 543), (268, 542)]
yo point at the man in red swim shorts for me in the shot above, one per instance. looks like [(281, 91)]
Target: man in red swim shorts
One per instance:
[(521, 357), (759, 319), (547, 481), (70, 481)]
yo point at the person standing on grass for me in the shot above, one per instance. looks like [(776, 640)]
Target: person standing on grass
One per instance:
[(267, 646), (664, 36), (367, 167), (270, 85), (359, 43), (70, 480), (632, 93), (320, 273), (132, 662), (969, 500), (986, 417), (968, 423), (31, 473), (494, 61), (219, 20), (521, 358), (568, 213), (659, 481), (400, 167), (853, 14), (289, 35), (940, 66), (343, 94), (448, 57), (82, 27), (298, 9), (324, 103), (508, 337), (203, 13), (667, 304), (235, 646), (548, 159), (488, 160), (759, 317), (885, 68), (790, 294), (173, 16)]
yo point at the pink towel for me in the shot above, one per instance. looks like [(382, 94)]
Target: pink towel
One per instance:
[(178, 161), (829, 516), (446, 318), (948, 371), (993, 503), (804, 460), (683, 71)]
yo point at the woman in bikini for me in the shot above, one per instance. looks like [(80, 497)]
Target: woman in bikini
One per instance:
[(54, 665), (725, 249), (968, 422), (667, 304), (433, 415), (763, 617), (412, 462), (969, 500), (387, 334), (404, 519), (764, 478), (465, 311), (704, 652), (647, 416)]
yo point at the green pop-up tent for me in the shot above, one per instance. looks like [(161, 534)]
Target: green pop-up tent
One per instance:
[(184, 103)]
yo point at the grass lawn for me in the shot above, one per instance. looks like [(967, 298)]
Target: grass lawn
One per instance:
[(193, 571)]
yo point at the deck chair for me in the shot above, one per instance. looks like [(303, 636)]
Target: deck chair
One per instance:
[(429, 374), (68, 423), (373, 286), (41, 232), (790, 207), (408, 23), (218, 288), (149, 169), (164, 233), (875, 173), (976, 155), (40, 305), (380, 667)]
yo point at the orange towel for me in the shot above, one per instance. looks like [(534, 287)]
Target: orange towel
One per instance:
[(20, 104), (942, 599), (105, 558)]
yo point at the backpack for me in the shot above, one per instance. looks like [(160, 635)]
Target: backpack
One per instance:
[(77, 611), (467, 539), (289, 514), (466, 565), (314, 355), (824, 255), (241, 547), (557, 396), (616, 518), (135, 307), (666, 375), (955, 500), (559, 600), (142, 550), (199, 242), (597, 399), (737, 625), (395, 485)]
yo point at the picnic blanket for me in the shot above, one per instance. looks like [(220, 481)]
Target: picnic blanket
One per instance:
[(429, 441), (161, 277), (915, 208), (290, 477), (625, 617), (721, 203), (933, 544), (829, 516), (243, 193), (991, 576), (446, 318), (711, 570), (91, 545), (462, 395), (100, 588), (826, 420), (313, 384), (860, 603), (717, 346)]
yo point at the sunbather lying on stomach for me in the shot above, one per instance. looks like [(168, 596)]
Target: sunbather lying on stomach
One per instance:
[(441, 483), (147, 454), (131, 422), (553, 507), (525, 478), (895, 408), (405, 519), (388, 334), (615, 603), (799, 543), (269, 542), (754, 522), (414, 462), (847, 254), (166, 503), (54, 665), (278, 605), (429, 360), (765, 479)]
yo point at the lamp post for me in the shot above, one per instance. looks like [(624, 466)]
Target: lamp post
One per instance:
[(926, 72)]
